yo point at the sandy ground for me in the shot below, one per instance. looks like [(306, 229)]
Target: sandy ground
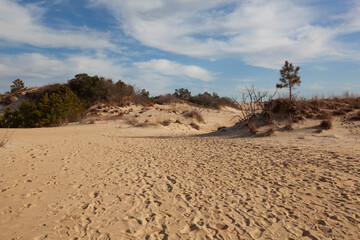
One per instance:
[(112, 181)]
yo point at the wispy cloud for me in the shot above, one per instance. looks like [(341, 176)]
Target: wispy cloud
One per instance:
[(37, 69), (155, 75), (262, 33), (170, 68), (22, 24)]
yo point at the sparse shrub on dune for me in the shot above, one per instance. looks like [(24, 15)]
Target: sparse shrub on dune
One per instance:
[(269, 117), (166, 99), (270, 131), (356, 117), (327, 122), (4, 139), (195, 126), (132, 121), (166, 122), (212, 101), (289, 125), (194, 114), (252, 127)]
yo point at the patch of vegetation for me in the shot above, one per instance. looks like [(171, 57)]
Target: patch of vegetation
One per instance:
[(289, 77), (212, 101), (195, 126), (196, 115), (327, 122), (252, 127), (4, 138), (18, 86), (51, 110), (94, 89)]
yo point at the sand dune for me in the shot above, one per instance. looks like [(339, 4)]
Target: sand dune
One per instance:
[(112, 181)]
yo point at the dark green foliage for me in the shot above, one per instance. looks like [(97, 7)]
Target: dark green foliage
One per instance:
[(59, 107), (98, 89), (166, 99), (205, 99), (289, 77), (51, 110), (18, 86), (212, 101), (183, 94)]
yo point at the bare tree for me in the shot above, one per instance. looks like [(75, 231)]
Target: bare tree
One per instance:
[(254, 103)]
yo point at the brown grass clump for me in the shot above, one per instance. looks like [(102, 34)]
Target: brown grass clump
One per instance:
[(4, 139), (356, 117), (327, 122), (270, 131), (166, 122), (194, 125), (269, 118), (252, 128), (132, 121), (194, 114), (289, 125)]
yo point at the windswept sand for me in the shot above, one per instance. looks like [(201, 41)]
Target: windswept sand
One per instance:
[(101, 181)]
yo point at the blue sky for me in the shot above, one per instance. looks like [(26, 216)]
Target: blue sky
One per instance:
[(204, 45)]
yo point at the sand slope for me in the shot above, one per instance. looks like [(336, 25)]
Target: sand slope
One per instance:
[(105, 182)]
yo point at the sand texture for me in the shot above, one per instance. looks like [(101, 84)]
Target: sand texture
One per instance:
[(101, 181)]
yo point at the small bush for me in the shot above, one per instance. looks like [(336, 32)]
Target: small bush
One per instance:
[(269, 118), (18, 86), (212, 101), (195, 126), (356, 117), (196, 115), (327, 122), (4, 139), (166, 99), (166, 122), (252, 128), (270, 131)]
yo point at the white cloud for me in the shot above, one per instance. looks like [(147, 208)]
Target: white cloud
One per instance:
[(22, 25), (170, 68), (261, 32), (155, 75), (37, 69)]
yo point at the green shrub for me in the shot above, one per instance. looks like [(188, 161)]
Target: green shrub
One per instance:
[(18, 86), (212, 101), (98, 89), (52, 109)]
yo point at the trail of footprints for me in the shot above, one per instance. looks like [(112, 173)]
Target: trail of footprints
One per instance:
[(148, 189)]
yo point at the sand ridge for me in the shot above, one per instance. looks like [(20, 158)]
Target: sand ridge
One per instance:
[(114, 183)]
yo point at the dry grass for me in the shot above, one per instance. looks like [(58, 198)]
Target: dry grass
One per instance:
[(356, 117), (270, 131), (194, 114), (252, 128), (195, 126), (5, 138), (166, 122), (327, 122)]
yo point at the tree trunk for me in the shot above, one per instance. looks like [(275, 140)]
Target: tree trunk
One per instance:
[(290, 92)]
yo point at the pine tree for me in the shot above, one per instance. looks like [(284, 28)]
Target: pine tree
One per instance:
[(289, 77)]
